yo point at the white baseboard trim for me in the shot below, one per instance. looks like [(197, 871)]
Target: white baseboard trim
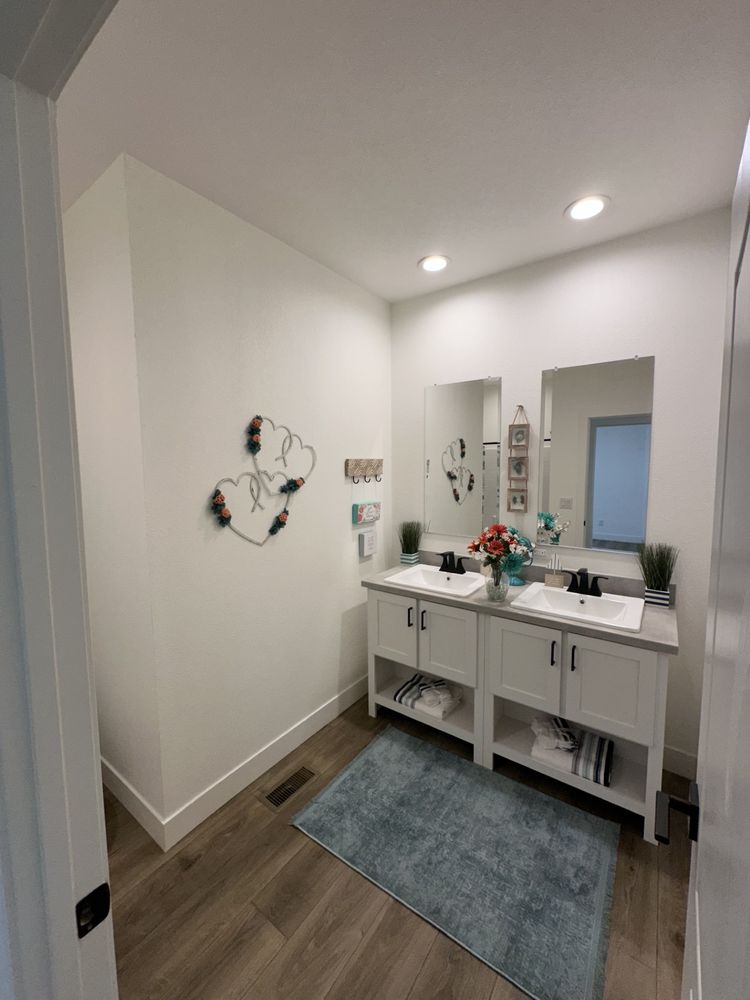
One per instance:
[(680, 762), (145, 814), (170, 830)]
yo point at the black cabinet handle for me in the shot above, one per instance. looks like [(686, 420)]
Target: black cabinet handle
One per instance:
[(552, 653), (573, 658), (409, 619), (422, 625)]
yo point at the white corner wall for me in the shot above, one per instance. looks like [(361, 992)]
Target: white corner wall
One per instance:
[(245, 651), (660, 293), (105, 376)]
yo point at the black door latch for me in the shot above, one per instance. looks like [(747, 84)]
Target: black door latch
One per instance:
[(92, 909), (690, 807)]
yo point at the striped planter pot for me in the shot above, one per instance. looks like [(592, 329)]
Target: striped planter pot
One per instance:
[(661, 598), (410, 558)]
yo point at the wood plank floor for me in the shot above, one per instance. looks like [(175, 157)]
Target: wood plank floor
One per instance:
[(247, 908)]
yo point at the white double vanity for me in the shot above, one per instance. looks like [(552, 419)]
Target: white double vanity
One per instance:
[(513, 664)]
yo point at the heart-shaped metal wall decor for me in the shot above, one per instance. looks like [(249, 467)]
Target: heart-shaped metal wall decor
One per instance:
[(255, 505)]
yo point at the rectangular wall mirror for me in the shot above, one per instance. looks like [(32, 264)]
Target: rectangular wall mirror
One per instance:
[(596, 422), (462, 456)]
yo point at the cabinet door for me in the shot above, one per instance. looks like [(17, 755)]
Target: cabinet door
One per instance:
[(448, 642), (611, 687), (523, 663), (392, 627)]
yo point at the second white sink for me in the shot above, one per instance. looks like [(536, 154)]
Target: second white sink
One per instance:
[(612, 610), (430, 578)]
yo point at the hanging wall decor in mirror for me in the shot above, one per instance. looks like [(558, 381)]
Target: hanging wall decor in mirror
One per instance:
[(596, 447), (462, 456)]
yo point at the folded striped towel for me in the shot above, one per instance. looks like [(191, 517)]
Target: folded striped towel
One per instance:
[(428, 694), (554, 733), (409, 691), (591, 760)]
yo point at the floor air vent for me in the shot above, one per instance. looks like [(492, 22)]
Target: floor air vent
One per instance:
[(279, 795)]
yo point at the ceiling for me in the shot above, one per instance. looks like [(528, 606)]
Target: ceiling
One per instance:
[(368, 133)]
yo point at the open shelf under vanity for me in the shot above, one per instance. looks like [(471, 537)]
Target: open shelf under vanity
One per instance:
[(460, 723), (513, 738)]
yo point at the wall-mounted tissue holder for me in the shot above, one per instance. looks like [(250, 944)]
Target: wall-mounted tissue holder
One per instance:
[(364, 468)]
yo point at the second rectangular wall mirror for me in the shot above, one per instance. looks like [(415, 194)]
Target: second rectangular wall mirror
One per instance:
[(594, 469), (462, 456)]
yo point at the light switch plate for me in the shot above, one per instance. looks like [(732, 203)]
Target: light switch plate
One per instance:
[(566, 503), (367, 543)]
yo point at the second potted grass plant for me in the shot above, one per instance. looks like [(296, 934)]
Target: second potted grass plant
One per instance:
[(410, 535), (657, 561)]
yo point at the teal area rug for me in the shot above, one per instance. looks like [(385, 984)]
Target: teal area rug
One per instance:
[(521, 880)]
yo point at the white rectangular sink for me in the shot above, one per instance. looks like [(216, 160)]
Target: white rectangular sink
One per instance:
[(430, 578), (612, 610)]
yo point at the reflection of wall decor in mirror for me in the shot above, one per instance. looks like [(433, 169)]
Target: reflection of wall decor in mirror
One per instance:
[(596, 448), (256, 504), (460, 476), (518, 432), (518, 500), (462, 456), (518, 468)]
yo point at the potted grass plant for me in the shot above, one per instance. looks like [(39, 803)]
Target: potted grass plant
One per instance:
[(410, 535), (657, 561)]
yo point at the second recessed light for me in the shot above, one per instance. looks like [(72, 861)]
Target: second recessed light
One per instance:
[(588, 207), (434, 262)]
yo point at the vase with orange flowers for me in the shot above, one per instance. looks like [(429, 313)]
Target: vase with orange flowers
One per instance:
[(504, 549)]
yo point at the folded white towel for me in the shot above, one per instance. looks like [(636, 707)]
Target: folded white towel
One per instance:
[(436, 711), (554, 733), (553, 756)]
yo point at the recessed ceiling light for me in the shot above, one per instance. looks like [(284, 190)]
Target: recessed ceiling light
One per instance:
[(435, 262), (588, 207)]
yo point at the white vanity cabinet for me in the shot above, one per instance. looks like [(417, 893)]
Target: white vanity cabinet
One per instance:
[(391, 627), (610, 687), (510, 670), (408, 634), (448, 642), (523, 663)]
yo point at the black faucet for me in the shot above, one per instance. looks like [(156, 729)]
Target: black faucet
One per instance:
[(448, 565), (579, 583), (452, 565)]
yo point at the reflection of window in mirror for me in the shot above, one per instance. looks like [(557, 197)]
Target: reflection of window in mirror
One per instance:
[(594, 463), (462, 456)]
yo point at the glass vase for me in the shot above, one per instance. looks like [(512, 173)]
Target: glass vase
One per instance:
[(497, 584)]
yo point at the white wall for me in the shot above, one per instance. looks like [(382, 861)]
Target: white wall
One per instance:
[(100, 296), (242, 643), (657, 293)]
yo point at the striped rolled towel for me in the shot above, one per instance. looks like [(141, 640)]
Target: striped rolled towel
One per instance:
[(591, 760)]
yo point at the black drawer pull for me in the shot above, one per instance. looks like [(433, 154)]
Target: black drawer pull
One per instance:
[(552, 653), (573, 658), (409, 619), (422, 625)]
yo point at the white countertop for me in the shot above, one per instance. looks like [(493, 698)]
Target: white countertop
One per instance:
[(658, 630)]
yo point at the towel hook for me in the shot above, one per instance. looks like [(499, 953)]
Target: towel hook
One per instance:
[(355, 479), (367, 479), (378, 479)]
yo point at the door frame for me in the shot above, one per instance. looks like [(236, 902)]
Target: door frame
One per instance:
[(594, 424), (52, 835)]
